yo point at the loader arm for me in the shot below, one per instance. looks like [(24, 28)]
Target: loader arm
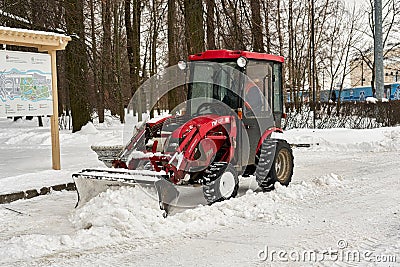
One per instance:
[(202, 140)]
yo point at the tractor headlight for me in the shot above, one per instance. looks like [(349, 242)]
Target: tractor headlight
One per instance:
[(241, 62), (182, 64)]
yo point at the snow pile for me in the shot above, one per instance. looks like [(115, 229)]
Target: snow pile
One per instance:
[(126, 210), (346, 140), (329, 180), (109, 121), (88, 129), (30, 138), (25, 137), (372, 100), (30, 246), (133, 212)]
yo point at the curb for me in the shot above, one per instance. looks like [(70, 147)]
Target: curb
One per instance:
[(8, 198)]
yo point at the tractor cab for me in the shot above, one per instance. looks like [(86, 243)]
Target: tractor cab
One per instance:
[(248, 83)]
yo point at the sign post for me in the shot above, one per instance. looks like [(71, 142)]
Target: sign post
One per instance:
[(24, 84), (55, 140)]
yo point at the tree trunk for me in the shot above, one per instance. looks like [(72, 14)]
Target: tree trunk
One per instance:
[(290, 58), (133, 48), (117, 61), (173, 95), (153, 67), (210, 4), (256, 26), (94, 56), (194, 26), (76, 61), (280, 36), (106, 64), (266, 6)]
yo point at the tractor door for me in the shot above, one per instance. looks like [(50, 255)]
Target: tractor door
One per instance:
[(258, 102), (277, 103)]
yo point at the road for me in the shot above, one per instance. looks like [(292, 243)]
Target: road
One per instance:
[(341, 209)]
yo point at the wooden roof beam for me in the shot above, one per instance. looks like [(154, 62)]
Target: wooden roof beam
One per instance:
[(44, 41)]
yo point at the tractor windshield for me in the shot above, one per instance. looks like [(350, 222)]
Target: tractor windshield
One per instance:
[(211, 82)]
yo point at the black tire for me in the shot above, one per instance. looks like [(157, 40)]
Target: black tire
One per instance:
[(275, 164), (221, 182)]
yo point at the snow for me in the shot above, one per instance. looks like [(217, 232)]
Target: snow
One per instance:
[(88, 129), (19, 30), (26, 152), (345, 190), (345, 140), (372, 100)]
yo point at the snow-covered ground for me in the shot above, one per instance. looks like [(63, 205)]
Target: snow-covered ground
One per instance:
[(342, 208)]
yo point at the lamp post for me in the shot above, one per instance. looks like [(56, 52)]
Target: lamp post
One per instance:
[(313, 61), (378, 50), (362, 72)]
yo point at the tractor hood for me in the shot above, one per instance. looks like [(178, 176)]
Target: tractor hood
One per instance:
[(198, 122), (159, 120)]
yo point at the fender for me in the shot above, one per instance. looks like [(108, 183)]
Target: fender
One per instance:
[(267, 134)]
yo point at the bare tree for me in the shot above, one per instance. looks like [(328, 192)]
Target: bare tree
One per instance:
[(256, 25), (93, 63), (117, 58), (349, 42), (391, 41), (194, 25), (76, 62), (173, 95), (132, 25), (210, 22), (106, 64)]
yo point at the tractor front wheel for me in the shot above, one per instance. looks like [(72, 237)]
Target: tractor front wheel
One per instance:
[(275, 164), (220, 182)]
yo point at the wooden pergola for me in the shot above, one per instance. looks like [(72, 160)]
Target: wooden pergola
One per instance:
[(45, 42)]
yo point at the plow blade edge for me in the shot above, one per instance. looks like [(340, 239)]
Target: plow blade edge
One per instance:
[(91, 182), (172, 198)]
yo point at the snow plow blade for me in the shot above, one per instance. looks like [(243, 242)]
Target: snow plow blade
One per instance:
[(168, 195), (91, 182)]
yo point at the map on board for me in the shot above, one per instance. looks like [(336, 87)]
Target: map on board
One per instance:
[(25, 84)]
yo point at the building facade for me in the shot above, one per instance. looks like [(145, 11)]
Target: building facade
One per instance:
[(361, 73)]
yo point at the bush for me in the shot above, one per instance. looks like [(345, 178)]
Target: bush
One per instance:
[(354, 115)]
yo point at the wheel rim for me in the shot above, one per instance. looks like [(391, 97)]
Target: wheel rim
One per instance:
[(282, 163), (227, 184)]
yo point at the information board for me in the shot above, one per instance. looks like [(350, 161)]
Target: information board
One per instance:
[(25, 84)]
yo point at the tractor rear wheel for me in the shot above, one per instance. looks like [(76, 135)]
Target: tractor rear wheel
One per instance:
[(275, 164), (221, 182)]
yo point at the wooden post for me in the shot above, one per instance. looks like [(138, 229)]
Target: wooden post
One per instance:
[(55, 139)]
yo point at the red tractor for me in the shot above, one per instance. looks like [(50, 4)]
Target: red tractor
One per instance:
[(225, 129)]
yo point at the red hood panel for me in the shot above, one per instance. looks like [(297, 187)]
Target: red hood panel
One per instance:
[(198, 121)]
